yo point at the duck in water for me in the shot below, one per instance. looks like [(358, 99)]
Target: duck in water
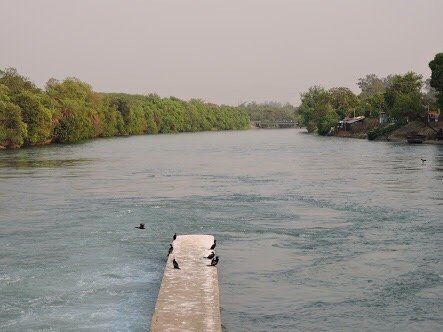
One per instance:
[(142, 226)]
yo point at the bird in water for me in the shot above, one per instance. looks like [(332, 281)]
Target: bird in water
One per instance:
[(171, 248), (174, 237), (211, 255), (422, 160), (174, 262), (214, 261), (213, 246), (142, 226)]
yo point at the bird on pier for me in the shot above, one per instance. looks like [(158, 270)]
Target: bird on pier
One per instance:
[(422, 160), (213, 246), (211, 255), (174, 237), (174, 262), (214, 261), (142, 226), (171, 248)]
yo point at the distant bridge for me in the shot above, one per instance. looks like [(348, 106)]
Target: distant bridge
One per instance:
[(274, 124)]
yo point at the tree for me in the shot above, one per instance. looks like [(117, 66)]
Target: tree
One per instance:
[(70, 111), (403, 98), (328, 118), (373, 105), (436, 66), (13, 130), (15, 82), (343, 101), (37, 117), (372, 84), (312, 102), (408, 105), (270, 111), (317, 108), (76, 116)]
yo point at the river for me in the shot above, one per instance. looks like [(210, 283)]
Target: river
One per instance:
[(313, 233)]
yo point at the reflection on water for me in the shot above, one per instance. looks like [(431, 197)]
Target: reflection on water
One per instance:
[(314, 233), (25, 162)]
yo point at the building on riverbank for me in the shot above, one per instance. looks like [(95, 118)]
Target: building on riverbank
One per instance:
[(349, 125)]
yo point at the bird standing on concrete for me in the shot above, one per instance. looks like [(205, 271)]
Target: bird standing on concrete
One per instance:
[(171, 248), (174, 237), (174, 262), (142, 226), (213, 246), (214, 261), (211, 255)]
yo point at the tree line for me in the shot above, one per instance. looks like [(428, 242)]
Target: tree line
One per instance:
[(70, 111), (401, 97), (270, 111)]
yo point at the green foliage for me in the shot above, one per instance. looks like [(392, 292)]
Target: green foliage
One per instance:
[(343, 101), (379, 132), (322, 109), (152, 114), (372, 105), (15, 82), (408, 106), (13, 130), (77, 117), (37, 117), (403, 98), (70, 111), (312, 103), (328, 119), (270, 111), (436, 82)]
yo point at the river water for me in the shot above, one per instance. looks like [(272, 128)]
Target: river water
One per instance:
[(314, 233)]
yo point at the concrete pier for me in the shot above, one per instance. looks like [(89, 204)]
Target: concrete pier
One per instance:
[(188, 299)]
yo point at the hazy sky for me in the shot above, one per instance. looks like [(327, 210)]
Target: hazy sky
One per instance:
[(225, 51)]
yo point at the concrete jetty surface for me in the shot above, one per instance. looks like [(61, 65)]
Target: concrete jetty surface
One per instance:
[(188, 299)]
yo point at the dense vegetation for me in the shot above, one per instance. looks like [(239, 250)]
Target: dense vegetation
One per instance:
[(436, 81), (400, 97), (70, 111), (270, 111), (384, 131)]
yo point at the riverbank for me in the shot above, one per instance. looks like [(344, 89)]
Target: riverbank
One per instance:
[(398, 135)]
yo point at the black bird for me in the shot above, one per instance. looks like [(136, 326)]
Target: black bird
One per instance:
[(211, 255), (174, 237), (213, 246), (170, 249), (214, 261), (142, 226), (422, 160), (174, 262)]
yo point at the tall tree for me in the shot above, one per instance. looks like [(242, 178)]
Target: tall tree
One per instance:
[(436, 66), (312, 102), (13, 130), (403, 97), (37, 117), (343, 101), (372, 84)]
